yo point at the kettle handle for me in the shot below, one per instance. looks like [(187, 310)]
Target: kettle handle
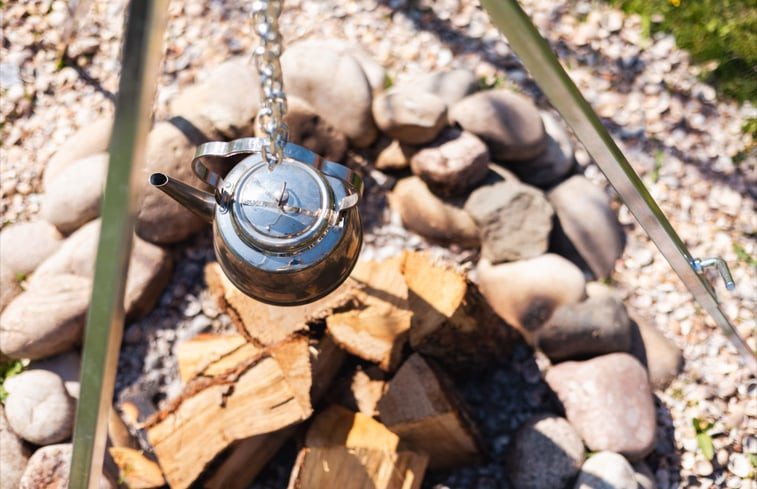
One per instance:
[(224, 149)]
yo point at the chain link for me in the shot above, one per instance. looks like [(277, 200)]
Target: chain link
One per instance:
[(273, 103)]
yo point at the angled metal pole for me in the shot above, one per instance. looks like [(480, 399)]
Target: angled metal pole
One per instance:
[(543, 65), (140, 65)]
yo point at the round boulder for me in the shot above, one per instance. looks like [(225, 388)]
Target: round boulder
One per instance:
[(587, 224), (89, 140), (453, 163), (310, 130), (74, 197), (38, 407), (393, 155), (606, 470), (161, 219), (449, 85), (509, 123), (150, 267), (47, 319), (546, 452), (226, 101), (67, 366), (334, 84), (663, 359), (10, 286), (374, 71), (49, 468), (430, 216), (14, 455), (410, 115), (514, 220), (525, 293), (554, 163), (593, 327), (20, 258), (608, 400)]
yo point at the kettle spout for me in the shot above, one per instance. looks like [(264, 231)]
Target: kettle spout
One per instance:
[(201, 203)]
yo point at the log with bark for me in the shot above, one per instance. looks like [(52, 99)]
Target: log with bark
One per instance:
[(424, 411), (264, 393), (452, 321)]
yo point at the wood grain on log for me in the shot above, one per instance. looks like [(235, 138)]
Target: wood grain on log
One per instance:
[(347, 449), (260, 396), (377, 329), (135, 470), (452, 321), (426, 414), (244, 459)]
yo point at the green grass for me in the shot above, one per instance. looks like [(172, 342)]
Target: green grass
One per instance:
[(719, 31)]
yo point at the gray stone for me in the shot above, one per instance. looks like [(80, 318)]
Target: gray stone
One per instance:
[(38, 407), (609, 401), (73, 198), (554, 163), (310, 130), (545, 452), (335, 85), (14, 455), (449, 85), (393, 155), (430, 216), (525, 293), (453, 163), (410, 115), (593, 327), (49, 468), (10, 286), (589, 224), (374, 71), (606, 470), (227, 101), (161, 219), (20, 258), (509, 123), (87, 141), (150, 267), (47, 319), (66, 365), (514, 220), (663, 359)]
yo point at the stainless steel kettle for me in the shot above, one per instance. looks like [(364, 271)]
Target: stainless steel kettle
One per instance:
[(286, 234)]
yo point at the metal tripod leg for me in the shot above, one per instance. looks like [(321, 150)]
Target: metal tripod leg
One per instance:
[(543, 65), (143, 41)]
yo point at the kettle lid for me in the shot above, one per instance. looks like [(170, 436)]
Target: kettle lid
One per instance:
[(283, 208)]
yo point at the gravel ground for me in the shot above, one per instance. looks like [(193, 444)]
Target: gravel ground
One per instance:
[(684, 140)]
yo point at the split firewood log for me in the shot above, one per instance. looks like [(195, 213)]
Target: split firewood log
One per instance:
[(377, 329), (420, 407), (135, 469), (240, 464), (264, 324), (265, 393), (346, 449), (452, 322)]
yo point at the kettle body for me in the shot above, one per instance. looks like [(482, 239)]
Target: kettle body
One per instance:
[(285, 235)]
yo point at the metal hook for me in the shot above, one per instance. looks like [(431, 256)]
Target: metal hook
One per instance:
[(700, 264)]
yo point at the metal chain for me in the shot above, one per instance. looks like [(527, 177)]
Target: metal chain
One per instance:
[(273, 103)]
